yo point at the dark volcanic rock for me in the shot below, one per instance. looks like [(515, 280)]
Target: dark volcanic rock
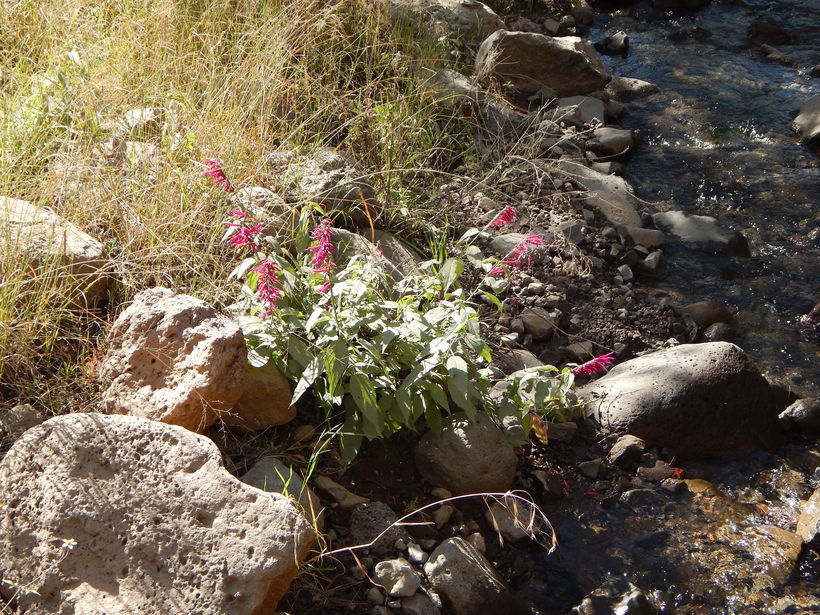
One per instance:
[(695, 399)]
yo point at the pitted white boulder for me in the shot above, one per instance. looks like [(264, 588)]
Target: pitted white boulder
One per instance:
[(173, 358), (155, 523)]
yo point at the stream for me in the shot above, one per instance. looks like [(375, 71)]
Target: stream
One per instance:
[(717, 141)]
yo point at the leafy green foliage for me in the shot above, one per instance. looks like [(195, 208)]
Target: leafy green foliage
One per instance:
[(388, 354)]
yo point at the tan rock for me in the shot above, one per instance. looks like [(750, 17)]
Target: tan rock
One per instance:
[(40, 237), (610, 195), (569, 65), (265, 401), (119, 515), (173, 358)]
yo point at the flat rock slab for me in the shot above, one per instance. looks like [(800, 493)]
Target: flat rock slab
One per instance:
[(173, 358), (695, 399), (568, 65), (610, 195), (38, 236), (155, 523)]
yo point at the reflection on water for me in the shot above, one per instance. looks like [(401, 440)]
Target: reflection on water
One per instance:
[(717, 141)]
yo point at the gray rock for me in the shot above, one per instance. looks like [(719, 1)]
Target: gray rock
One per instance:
[(260, 201), (173, 358), (626, 452), (692, 398), (718, 332), (502, 245), (333, 179), (467, 22), (141, 124), (38, 237), (142, 518), (702, 233), (368, 521), (581, 12), (610, 195), (17, 420), (608, 141), (580, 110), (468, 456), (807, 121), (538, 323), (416, 554), (581, 351), (419, 604), (573, 231), (398, 577), (569, 65), (562, 432), (517, 359), (627, 88), (271, 475), (803, 415), (707, 313), (348, 245), (468, 583), (590, 468), (403, 257), (626, 274), (634, 603), (641, 498), (510, 519), (614, 44), (654, 264), (648, 237)]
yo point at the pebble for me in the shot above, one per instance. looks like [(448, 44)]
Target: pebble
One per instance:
[(375, 596), (440, 493), (442, 514), (345, 498), (590, 468), (626, 274), (416, 554), (477, 540), (398, 577)]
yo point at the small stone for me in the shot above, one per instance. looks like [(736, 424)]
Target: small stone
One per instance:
[(416, 554), (626, 451), (442, 514), (625, 271), (398, 577), (641, 498), (509, 518), (144, 123), (345, 498), (375, 596), (561, 432), (660, 471), (369, 521), (717, 332), (573, 230), (17, 420), (477, 540), (614, 44), (803, 415), (581, 351), (303, 433), (535, 288), (653, 264), (418, 604), (441, 493), (590, 469)]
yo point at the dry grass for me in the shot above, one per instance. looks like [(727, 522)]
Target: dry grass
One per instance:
[(240, 80)]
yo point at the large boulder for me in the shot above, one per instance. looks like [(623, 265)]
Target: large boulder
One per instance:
[(695, 399), (468, 583), (117, 515), (807, 121), (702, 233), (569, 65), (38, 237), (610, 195), (467, 456), (173, 358), (465, 20)]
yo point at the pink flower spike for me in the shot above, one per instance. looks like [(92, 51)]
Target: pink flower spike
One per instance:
[(595, 366), (322, 260), (267, 285), (507, 215), (245, 236), (238, 213), (324, 288), (213, 169), (496, 271)]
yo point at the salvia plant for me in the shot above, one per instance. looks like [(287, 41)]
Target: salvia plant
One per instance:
[(385, 353)]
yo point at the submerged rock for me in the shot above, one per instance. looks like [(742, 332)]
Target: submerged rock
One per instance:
[(702, 233), (694, 399), (807, 121), (121, 515), (569, 65)]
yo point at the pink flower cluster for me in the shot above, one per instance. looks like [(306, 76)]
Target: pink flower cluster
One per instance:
[(322, 260), (244, 236), (595, 366), (506, 216), (213, 169), (517, 254), (268, 284)]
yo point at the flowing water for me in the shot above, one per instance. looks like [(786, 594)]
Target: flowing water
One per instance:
[(717, 141)]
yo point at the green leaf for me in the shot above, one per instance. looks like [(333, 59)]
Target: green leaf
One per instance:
[(308, 377), (495, 300), (458, 385), (364, 396), (469, 234), (450, 272), (474, 255), (438, 394), (298, 352)]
